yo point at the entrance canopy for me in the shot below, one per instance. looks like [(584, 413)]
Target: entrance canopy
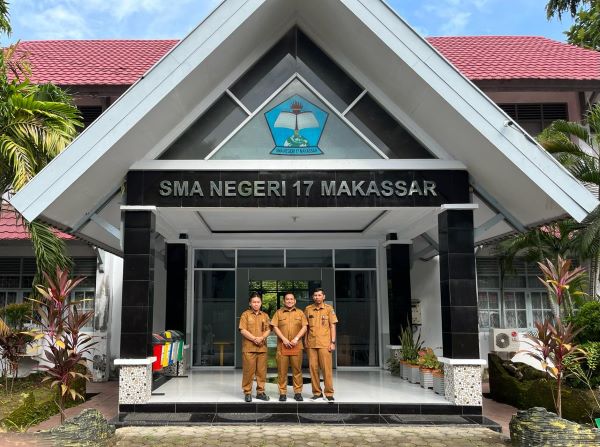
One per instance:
[(444, 121)]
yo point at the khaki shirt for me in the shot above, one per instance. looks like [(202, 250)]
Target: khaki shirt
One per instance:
[(289, 322), (257, 325), (319, 319)]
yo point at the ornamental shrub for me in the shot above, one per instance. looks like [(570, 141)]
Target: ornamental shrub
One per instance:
[(588, 318)]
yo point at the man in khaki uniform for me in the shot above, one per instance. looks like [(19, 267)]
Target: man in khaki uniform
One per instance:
[(290, 325), (320, 343), (254, 327)]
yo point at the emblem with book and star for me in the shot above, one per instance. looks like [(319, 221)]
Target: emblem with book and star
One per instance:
[(296, 126)]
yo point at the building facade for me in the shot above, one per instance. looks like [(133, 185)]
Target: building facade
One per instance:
[(365, 163)]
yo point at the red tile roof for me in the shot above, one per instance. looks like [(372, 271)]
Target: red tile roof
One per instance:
[(518, 57), (122, 62), (11, 230)]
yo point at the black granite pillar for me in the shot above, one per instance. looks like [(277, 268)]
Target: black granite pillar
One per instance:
[(399, 293), (176, 287), (460, 334), (138, 284)]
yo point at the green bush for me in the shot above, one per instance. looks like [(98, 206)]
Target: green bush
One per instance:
[(588, 318)]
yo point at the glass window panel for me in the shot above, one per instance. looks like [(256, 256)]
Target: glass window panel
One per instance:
[(260, 258), (511, 281), (536, 301), (355, 258), (549, 315), (11, 297), (484, 319), (509, 300), (214, 259), (325, 75), (309, 258), (215, 284), (533, 282), (511, 318), (483, 300), (494, 319), (522, 318), (214, 316), (488, 282), (357, 340), (493, 300), (387, 133), (520, 300), (207, 132)]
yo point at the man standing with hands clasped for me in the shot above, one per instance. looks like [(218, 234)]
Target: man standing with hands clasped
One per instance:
[(289, 324), (254, 327), (320, 342)]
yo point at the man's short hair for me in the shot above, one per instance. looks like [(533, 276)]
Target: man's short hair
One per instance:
[(289, 293), (254, 295), (318, 289)]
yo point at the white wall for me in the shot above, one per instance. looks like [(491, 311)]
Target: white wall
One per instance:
[(113, 280), (425, 284)]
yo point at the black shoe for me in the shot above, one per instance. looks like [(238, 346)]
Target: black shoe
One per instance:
[(330, 398), (282, 398), (262, 396), (316, 396), (247, 397), (298, 397)]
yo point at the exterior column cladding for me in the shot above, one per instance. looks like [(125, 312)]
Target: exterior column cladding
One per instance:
[(458, 290), (399, 291), (138, 285)]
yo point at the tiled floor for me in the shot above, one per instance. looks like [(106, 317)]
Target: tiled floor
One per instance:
[(350, 386)]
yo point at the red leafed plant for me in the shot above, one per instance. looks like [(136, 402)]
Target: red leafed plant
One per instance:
[(61, 326), (554, 347), (558, 279)]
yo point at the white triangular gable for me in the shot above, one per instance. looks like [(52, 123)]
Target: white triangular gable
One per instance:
[(407, 76)]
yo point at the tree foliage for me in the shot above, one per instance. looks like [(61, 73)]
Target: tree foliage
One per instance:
[(37, 122), (559, 7), (585, 31)]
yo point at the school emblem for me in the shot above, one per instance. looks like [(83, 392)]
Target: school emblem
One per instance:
[(296, 126)]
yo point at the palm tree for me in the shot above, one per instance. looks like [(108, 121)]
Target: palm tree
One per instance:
[(577, 146), (36, 123)]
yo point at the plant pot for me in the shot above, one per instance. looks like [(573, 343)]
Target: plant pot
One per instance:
[(438, 381), (414, 374), (426, 377), (404, 371)]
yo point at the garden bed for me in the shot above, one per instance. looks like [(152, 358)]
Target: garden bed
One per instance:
[(30, 403), (533, 390)]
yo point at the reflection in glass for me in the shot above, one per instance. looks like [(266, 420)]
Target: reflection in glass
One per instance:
[(356, 307), (208, 259), (309, 258), (260, 258), (214, 318), (355, 258)]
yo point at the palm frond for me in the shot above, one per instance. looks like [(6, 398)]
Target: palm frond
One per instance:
[(49, 249)]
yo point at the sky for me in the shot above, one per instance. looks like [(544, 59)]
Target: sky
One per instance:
[(173, 19)]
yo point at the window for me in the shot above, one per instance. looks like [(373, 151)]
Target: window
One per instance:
[(89, 114), (515, 309), (489, 309), (524, 301), (536, 117), (541, 308)]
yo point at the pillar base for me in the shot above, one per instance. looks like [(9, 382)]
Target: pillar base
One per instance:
[(462, 381), (135, 380)]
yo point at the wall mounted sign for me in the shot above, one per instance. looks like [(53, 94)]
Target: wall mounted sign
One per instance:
[(296, 126), (297, 188)]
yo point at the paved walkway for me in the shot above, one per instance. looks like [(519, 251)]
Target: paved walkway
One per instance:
[(313, 436)]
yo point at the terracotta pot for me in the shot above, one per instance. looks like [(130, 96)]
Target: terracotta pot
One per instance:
[(426, 377)]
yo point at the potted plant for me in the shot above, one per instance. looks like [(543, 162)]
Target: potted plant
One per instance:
[(428, 362), (410, 351), (438, 380)]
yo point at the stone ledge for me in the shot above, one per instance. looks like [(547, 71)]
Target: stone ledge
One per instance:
[(135, 362), (462, 362)]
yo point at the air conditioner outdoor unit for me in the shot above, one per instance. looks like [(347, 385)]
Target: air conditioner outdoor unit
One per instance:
[(504, 340)]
